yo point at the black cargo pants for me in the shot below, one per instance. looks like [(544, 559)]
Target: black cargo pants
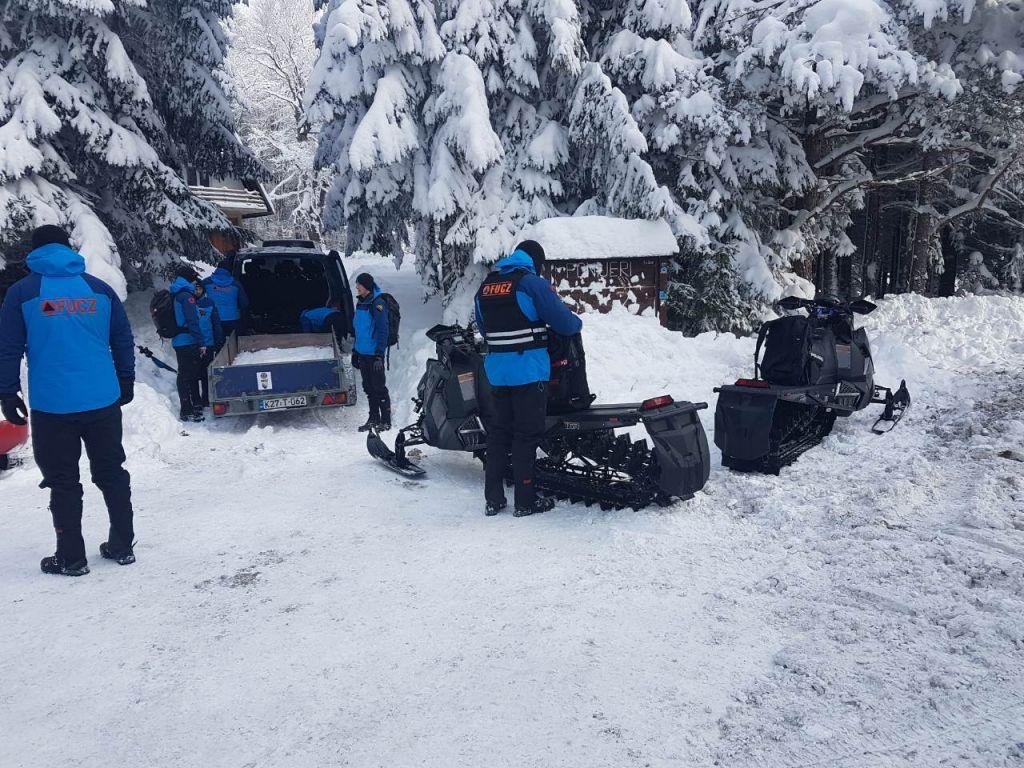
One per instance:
[(515, 424), (375, 386), (57, 441)]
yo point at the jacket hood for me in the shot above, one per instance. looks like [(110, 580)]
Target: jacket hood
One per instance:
[(181, 284), (516, 261), (222, 277), (56, 260)]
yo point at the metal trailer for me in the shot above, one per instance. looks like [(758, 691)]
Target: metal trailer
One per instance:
[(241, 390)]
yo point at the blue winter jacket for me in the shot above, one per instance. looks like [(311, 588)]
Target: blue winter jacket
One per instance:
[(74, 330), (230, 297), (186, 314), (209, 322), (372, 325), (315, 320), (538, 300)]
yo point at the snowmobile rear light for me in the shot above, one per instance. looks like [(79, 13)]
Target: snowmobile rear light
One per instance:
[(755, 383), (656, 402), (219, 409)]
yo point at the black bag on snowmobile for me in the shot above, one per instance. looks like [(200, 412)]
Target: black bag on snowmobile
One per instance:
[(161, 309), (787, 350), (568, 388)]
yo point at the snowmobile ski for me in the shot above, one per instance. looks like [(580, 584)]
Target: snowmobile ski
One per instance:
[(896, 405), (395, 461)]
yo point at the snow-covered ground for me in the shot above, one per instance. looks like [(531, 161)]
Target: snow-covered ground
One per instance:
[(294, 604)]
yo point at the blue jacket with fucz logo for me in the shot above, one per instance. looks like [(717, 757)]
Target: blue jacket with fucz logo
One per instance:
[(538, 300), (372, 325), (227, 294), (74, 330)]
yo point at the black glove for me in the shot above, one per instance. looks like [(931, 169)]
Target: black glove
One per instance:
[(355, 359), (127, 390), (378, 364), (14, 410)]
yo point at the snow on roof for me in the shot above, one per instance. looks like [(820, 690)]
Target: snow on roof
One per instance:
[(601, 237)]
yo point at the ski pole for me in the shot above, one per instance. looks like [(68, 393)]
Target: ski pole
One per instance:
[(156, 361)]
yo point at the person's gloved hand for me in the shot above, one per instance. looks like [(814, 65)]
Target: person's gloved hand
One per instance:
[(14, 410), (378, 364), (127, 390), (355, 359)]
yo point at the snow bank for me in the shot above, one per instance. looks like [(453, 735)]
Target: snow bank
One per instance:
[(275, 355), (601, 237)]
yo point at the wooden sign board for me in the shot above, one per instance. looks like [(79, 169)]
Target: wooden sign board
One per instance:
[(638, 284)]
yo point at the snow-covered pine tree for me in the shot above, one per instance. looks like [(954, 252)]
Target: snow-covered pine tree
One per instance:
[(711, 151), (462, 148), (81, 141), (528, 55), (367, 89)]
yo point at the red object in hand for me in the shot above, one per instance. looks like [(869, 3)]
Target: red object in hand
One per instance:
[(12, 435)]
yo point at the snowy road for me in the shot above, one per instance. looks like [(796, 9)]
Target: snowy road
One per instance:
[(296, 605)]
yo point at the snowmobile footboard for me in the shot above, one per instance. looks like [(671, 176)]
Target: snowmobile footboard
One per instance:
[(681, 452), (743, 422)]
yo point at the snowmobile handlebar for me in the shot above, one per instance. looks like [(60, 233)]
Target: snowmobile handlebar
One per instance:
[(829, 304)]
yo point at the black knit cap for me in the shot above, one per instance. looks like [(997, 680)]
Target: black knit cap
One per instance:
[(48, 235), (535, 251), (366, 280), (187, 272)]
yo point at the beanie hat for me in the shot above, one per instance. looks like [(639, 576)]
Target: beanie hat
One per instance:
[(535, 251), (366, 280), (48, 235)]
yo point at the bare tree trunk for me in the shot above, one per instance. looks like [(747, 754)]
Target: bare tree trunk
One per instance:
[(925, 232), (950, 263)]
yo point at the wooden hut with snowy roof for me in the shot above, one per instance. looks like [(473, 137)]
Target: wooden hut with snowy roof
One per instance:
[(599, 262)]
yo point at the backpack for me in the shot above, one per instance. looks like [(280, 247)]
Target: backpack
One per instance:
[(787, 351), (161, 309), (394, 317)]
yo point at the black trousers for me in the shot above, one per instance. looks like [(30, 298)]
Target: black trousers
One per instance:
[(376, 388), (57, 445), (515, 424), (191, 371)]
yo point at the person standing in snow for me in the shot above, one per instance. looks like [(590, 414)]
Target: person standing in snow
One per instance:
[(81, 371), (231, 300), (190, 346), (370, 351), (213, 339), (515, 308)]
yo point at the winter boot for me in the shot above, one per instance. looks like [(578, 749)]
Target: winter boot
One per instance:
[(370, 424), (493, 509), (198, 417), (124, 556), (57, 566), (540, 504)]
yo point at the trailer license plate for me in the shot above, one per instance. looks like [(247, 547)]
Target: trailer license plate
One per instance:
[(283, 402)]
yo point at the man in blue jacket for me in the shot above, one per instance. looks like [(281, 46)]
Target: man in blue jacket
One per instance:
[(81, 370), (515, 307), (231, 300), (370, 351), (191, 346)]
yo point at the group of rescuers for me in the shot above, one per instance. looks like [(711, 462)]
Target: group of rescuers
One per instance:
[(81, 372)]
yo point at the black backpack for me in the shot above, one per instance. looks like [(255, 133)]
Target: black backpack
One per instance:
[(394, 317), (161, 309), (787, 351)]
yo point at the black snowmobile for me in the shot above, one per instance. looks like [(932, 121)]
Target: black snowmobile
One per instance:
[(583, 459), (816, 367)]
